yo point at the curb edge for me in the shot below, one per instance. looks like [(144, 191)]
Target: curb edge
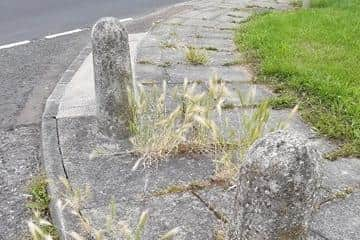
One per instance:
[(50, 149)]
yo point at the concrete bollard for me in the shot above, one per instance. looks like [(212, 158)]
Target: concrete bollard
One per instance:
[(277, 189), (113, 76), (306, 3)]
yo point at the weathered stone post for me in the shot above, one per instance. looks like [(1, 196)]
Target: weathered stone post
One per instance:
[(112, 68), (277, 189), (306, 3)]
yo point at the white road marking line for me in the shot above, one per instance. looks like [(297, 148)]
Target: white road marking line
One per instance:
[(63, 33), (126, 19), (14, 44)]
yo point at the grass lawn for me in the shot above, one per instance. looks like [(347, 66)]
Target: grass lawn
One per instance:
[(313, 55)]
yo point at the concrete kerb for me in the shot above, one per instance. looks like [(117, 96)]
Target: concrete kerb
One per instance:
[(51, 152)]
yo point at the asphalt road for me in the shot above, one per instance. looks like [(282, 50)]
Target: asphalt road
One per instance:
[(32, 19), (28, 73)]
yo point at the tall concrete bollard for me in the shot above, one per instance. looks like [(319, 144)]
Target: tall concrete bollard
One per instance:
[(277, 189), (112, 68)]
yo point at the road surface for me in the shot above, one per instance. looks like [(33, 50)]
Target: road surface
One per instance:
[(29, 72), (22, 20)]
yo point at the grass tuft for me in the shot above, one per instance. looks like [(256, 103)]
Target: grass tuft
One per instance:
[(233, 63), (72, 200), (296, 3), (168, 44), (196, 56), (283, 101), (39, 205), (159, 134), (211, 49), (165, 64), (146, 62)]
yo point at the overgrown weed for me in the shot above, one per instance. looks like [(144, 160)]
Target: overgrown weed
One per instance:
[(196, 56), (158, 132), (195, 123), (39, 205), (73, 200)]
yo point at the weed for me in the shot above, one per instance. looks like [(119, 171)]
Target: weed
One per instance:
[(226, 29), (234, 16), (228, 105), (113, 229), (345, 150), (283, 101), (296, 3), (219, 234), (255, 124), (146, 62), (232, 63), (165, 64), (159, 133), (253, 6), (39, 204), (343, 193), (39, 197), (196, 56), (168, 44), (188, 128), (194, 186), (41, 229), (211, 49)]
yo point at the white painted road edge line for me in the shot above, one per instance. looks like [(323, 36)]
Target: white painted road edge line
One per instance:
[(54, 35), (14, 44), (126, 19), (64, 33), (79, 30)]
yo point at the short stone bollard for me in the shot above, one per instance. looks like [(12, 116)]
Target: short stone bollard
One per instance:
[(277, 189), (113, 76)]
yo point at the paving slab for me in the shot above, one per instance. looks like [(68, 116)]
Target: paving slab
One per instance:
[(149, 55), (184, 211), (177, 31), (150, 73), (178, 73), (339, 219), (110, 176)]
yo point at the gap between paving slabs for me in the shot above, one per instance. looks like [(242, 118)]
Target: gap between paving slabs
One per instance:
[(200, 211)]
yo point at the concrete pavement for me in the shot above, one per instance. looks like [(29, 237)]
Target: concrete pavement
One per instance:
[(28, 74), (160, 57)]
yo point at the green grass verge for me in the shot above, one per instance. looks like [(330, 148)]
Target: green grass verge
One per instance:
[(315, 55)]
